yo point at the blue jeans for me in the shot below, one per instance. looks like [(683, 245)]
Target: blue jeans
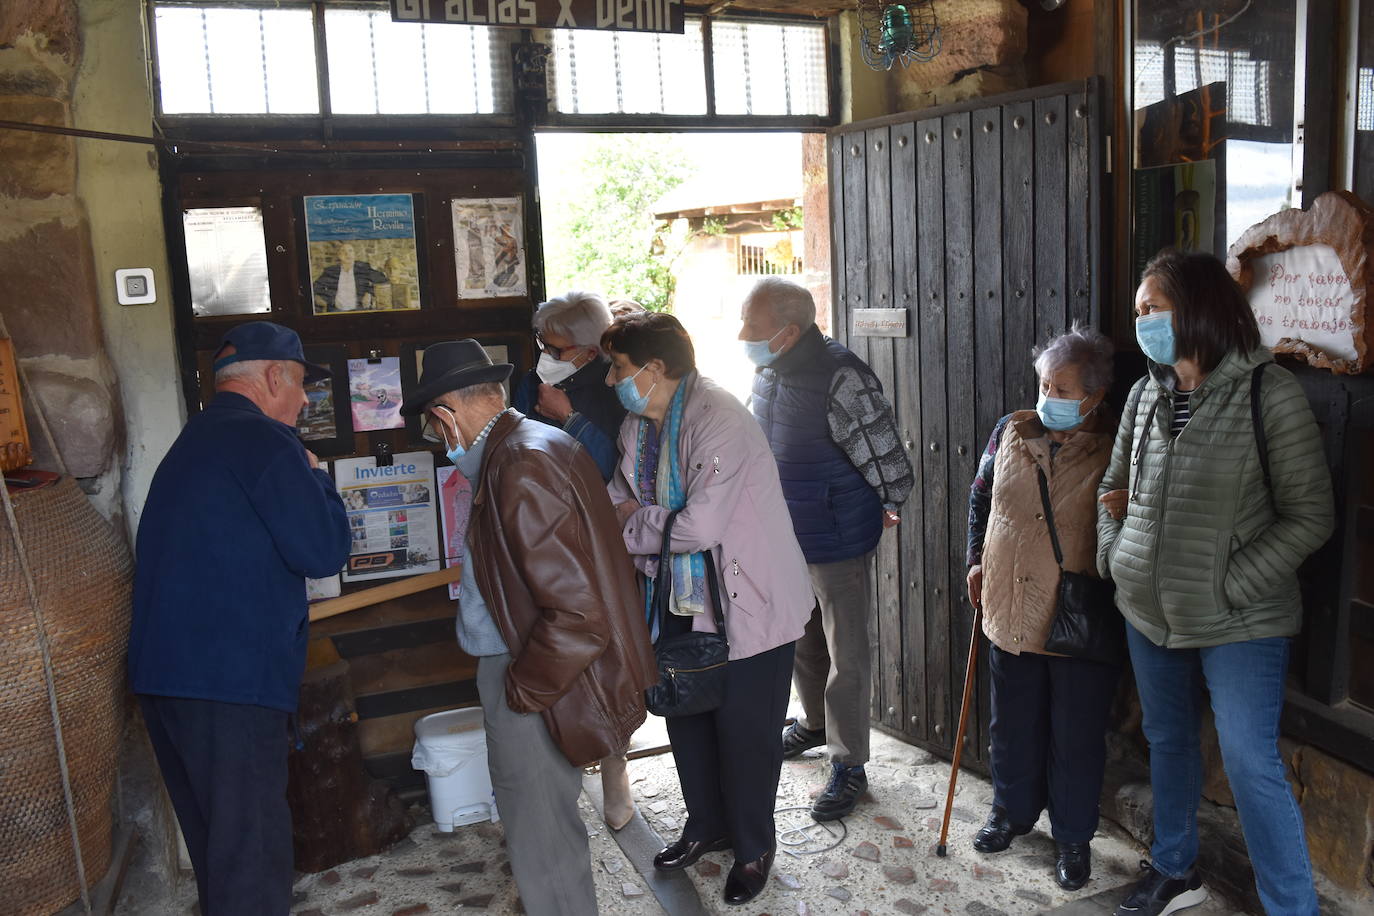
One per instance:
[(1245, 680)]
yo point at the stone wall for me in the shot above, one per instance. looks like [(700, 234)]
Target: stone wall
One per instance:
[(982, 52)]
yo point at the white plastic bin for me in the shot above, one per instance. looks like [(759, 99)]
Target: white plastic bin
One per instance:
[(451, 747)]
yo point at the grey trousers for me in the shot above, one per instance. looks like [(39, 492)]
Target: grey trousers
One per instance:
[(536, 794), (833, 669)]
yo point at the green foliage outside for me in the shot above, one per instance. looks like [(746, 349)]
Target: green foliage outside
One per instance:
[(603, 235)]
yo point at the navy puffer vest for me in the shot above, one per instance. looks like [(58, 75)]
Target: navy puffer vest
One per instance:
[(835, 513)]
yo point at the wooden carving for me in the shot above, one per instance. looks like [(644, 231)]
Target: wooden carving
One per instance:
[(1309, 275)]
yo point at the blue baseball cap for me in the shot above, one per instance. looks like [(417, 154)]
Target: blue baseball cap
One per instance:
[(265, 340)]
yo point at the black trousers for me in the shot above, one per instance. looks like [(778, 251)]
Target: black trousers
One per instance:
[(1049, 721), (224, 765), (728, 760)]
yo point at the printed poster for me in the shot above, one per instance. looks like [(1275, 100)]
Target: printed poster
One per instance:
[(390, 516), (317, 419), (489, 247), (362, 253), (329, 586), (374, 393), (455, 507)]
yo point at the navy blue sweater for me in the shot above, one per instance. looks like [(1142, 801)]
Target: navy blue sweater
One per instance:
[(234, 523)]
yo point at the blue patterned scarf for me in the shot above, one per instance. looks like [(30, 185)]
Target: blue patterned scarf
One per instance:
[(658, 478)]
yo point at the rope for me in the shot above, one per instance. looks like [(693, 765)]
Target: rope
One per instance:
[(44, 649)]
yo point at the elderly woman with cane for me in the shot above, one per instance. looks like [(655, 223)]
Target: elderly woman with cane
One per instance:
[(1032, 523)]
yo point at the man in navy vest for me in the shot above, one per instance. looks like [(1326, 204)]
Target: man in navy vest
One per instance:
[(238, 516), (844, 474)]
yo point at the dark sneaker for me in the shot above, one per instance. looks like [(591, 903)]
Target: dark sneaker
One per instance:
[(796, 740), (1155, 894), (841, 793)]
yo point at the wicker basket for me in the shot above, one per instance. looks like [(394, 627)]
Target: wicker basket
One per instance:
[(82, 570)]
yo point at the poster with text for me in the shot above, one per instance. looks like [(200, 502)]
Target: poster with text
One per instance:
[(455, 507), (390, 516), (489, 247), (374, 393), (329, 586), (362, 253)]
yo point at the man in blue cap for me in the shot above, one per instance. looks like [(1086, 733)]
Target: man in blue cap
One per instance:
[(238, 516)]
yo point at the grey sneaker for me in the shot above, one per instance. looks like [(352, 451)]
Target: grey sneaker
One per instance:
[(797, 740), (1156, 894)]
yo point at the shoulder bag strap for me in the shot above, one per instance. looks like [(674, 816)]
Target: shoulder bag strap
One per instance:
[(1257, 420), (1049, 515), (713, 584), (663, 579)]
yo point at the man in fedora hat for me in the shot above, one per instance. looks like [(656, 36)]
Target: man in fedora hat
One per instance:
[(238, 516), (552, 610)]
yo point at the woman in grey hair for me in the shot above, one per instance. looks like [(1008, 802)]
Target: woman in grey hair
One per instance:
[(1049, 712)]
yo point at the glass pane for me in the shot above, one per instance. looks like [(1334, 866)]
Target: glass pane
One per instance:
[(378, 66), (217, 60), (1364, 103), (765, 68), (630, 72), (226, 257)]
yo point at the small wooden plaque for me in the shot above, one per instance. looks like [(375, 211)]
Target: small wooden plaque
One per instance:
[(14, 432), (879, 323)]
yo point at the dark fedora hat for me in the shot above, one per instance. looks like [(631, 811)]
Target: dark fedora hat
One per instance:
[(449, 366)]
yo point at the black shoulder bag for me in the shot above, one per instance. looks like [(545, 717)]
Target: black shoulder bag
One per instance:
[(1086, 621), (691, 666)]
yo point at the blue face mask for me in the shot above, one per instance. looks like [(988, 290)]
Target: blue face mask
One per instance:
[(1059, 413), (758, 352), (629, 395), (458, 450), (1155, 333)]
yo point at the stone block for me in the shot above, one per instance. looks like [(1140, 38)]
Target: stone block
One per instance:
[(973, 34), (82, 415), (971, 85), (53, 26), (36, 164), (1338, 808), (50, 304)]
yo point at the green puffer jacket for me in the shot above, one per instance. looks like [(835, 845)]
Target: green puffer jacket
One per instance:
[(1206, 554)]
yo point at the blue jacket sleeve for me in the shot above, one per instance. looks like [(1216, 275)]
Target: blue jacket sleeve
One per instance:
[(304, 514), (600, 446), (524, 395)]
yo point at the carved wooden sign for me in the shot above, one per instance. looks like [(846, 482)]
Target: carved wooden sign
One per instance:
[(1308, 275), (879, 323), (620, 15)]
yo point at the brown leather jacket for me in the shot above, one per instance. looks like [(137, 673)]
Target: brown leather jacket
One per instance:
[(552, 567)]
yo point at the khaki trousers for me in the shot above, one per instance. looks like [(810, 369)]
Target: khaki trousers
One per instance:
[(833, 670)]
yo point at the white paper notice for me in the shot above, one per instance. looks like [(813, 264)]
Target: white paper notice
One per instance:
[(226, 257), (1304, 294), (390, 515)]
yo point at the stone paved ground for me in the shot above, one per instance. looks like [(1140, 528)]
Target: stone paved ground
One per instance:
[(882, 860)]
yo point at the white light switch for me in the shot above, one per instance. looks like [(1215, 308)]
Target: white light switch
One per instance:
[(134, 286)]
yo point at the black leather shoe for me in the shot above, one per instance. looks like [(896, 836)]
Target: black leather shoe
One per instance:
[(997, 832), (1074, 865), (679, 855), (797, 740), (746, 879), (841, 794)]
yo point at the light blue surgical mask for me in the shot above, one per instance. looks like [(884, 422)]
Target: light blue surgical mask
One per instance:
[(1059, 413), (434, 435), (758, 352), (1155, 334), (629, 395)]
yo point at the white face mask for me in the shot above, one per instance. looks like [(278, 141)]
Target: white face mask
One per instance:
[(552, 371)]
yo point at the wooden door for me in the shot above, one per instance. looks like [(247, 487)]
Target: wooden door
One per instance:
[(981, 220)]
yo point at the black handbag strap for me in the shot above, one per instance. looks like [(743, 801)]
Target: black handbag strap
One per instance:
[(1049, 515), (663, 580)]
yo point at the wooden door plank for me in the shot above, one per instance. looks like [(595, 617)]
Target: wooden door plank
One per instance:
[(907, 407), (855, 192), (835, 188), (1018, 245), (934, 426), (1079, 279), (1051, 184), (889, 708)]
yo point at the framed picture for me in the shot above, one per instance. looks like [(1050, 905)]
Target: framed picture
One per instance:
[(502, 348), (326, 424), (362, 253)]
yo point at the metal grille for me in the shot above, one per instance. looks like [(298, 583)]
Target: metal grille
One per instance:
[(630, 72), (769, 68), (764, 259), (1364, 113)]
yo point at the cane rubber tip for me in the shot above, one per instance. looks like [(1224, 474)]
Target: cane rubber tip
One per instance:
[(940, 850)]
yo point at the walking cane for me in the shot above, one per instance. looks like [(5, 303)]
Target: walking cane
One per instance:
[(963, 722)]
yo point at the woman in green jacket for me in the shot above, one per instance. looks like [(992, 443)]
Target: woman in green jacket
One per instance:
[(1216, 491)]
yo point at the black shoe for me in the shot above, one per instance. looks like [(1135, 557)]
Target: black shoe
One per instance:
[(841, 793), (797, 740), (1155, 894), (997, 832), (746, 879), (1074, 865), (685, 852)]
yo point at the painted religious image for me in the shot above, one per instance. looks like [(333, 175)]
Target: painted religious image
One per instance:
[(317, 419), (362, 253), (489, 247), (374, 393)]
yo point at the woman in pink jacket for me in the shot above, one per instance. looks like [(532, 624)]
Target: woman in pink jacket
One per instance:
[(689, 445)]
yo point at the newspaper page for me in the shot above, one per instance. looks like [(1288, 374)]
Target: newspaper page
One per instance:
[(390, 516), (489, 247), (328, 587), (226, 259)]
